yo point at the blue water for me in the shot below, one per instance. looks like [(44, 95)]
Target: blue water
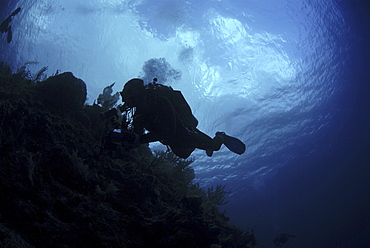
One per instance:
[(289, 78)]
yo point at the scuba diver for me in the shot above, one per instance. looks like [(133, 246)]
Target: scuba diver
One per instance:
[(282, 238), (162, 114), (5, 25)]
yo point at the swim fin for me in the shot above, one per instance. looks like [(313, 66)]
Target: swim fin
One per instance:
[(232, 143)]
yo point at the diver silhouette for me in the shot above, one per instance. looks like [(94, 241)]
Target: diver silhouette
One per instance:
[(5, 25), (162, 114)]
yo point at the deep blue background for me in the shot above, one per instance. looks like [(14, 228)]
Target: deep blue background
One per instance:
[(325, 198)]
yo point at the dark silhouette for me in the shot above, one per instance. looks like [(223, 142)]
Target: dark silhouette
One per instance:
[(53, 194), (282, 238), (5, 25), (167, 117)]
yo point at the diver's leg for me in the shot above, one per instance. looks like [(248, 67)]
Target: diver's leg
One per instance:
[(205, 142)]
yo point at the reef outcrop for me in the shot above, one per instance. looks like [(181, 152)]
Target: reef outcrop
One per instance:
[(55, 193)]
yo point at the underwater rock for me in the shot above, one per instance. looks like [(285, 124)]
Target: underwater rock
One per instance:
[(55, 193), (9, 239), (193, 203), (63, 91)]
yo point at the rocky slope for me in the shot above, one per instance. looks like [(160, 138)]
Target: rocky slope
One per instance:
[(55, 193)]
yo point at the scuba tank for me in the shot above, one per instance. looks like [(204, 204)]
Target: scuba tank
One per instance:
[(177, 100)]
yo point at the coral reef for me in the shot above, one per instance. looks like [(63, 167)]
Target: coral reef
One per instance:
[(55, 193)]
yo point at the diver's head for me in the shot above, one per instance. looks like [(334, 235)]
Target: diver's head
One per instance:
[(133, 92)]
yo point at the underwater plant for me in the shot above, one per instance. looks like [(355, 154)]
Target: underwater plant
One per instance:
[(216, 196), (161, 69), (106, 99)]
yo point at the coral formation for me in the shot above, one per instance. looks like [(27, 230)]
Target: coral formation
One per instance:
[(55, 193)]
